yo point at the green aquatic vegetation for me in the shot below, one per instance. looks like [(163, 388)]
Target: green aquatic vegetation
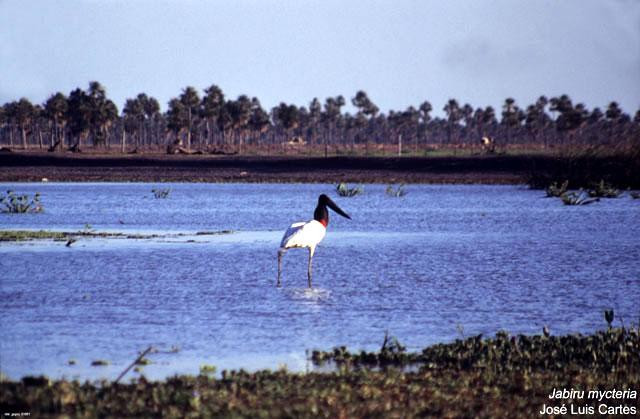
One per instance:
[(577, 198), (20, 204), (22, 235), (473, 377), (555, 191), (604, 351), (604, 190), (206, 369), (71, 236), (343, 190), (161, 193), (396, 192)]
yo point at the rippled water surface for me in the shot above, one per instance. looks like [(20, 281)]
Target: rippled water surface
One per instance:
[(440, 262)]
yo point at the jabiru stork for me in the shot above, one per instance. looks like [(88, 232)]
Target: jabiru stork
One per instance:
[(308, 234)]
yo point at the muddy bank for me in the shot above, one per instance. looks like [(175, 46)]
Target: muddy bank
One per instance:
[(537, 170), (16, 167)]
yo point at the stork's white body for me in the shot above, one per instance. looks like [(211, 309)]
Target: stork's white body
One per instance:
[(303, 234), (308, 234)]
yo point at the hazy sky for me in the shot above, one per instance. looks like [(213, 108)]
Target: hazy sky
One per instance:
[(400, 52)]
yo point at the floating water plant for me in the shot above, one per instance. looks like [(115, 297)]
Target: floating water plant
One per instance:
[(577, 198), (604, 190), (555, 191), (161, 193), (20, 204), (344, 190), (471, 377), (396, 192), (207, 369)]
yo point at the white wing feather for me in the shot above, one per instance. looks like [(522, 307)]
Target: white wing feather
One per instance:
[(303, 235)]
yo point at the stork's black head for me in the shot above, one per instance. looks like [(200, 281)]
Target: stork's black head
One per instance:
[(321, 214)]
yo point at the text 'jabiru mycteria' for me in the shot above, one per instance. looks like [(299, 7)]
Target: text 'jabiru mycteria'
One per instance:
[(308, 234)]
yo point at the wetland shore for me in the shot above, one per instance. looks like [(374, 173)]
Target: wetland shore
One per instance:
[(536, 169), (68, 167), (505, 376)]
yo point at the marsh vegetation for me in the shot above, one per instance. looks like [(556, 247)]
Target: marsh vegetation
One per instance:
[(471, 377)]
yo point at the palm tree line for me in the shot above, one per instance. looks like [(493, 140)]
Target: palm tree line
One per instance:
[(210, 122)]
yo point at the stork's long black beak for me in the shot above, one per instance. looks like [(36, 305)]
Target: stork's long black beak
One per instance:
[(336, 208)]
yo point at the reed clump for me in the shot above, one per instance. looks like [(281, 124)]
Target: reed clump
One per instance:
[(345, 191), (13, 203)]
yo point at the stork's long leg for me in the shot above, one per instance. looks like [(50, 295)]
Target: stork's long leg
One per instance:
[(280, 253), (311, 251)]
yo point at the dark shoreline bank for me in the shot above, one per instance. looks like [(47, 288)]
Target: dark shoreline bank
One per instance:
[(536, 170), (30, 167)]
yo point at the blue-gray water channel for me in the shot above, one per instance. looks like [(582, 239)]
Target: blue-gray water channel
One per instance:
[(442, 262)]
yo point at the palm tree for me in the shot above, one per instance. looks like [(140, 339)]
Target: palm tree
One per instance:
[(191, 104), (287, 116), (424, 110), (366, 110), (133, 117), (102, 112), (79, 116), (177, 117), (259, 121), (331, 118), (512, 116), (55, 109), (212, 104), (23, 113), (315, 116), (454, 114), (238, 113)]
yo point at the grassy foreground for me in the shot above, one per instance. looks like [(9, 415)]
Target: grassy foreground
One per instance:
[(499, 377)]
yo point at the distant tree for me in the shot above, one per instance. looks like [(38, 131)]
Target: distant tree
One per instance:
[(364, 104), (424, 110), (150, 111), (79, 116), (287, 116), (133, 118), (102, 112), (259, 121), (331, 118), (512, 117), (212, 104), (454, 115), (190, 101), (366, 111), (315, 116), (239, 111), (613, 111), (55, 110), (177, 117), (22, 113), (536, 119)]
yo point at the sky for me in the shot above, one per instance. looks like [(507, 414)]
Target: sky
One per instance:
[(400, 52)]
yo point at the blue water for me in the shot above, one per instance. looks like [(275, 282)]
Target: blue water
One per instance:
[(441, 262)]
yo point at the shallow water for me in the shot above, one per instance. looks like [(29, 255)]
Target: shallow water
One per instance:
[(441, 262)]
